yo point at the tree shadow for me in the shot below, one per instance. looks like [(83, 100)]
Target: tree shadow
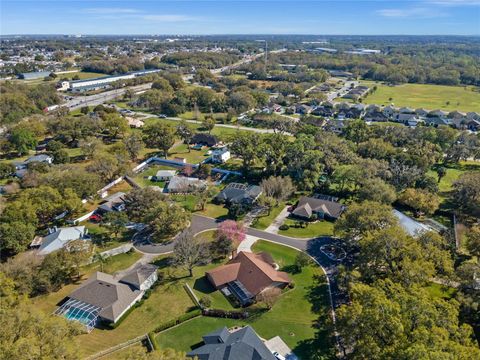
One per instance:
[(203, 286)]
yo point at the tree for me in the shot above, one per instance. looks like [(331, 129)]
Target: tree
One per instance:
[(90, 146), (189, 252), (115, 125), (269, 296), (115, 222), (233, 230), (204, 171), (22, 140), (267, 202), (107, 167), (356, 131), (302, 260), (166, 220), (80, 251), (185, 132), (139, 203), (473, 241), (246, 145), (420, 200), (139, 353), (84, 110), (134, 145), (362, 218), (208, 123), (6, 170), (203, 196), (61, 156), (159, 135), (100, 258), (375, 189), (278, 187), (221, 246), (441, 172), (466, 192)]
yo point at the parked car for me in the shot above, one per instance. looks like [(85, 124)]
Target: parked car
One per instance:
[(162, 116), (278, 356), (96, 218)]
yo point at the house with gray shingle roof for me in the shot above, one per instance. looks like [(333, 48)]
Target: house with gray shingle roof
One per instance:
[(322, 208), (104, 298), (242, 344)]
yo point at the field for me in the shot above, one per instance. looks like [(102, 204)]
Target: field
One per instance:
[(299, 317), (430, 97)]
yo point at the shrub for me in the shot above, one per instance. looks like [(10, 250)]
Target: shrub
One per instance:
[(284, 227), (205, 301), (179, 320)]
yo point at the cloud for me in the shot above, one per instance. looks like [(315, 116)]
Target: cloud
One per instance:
[(109, 11), (416, 12), (455, 2), (168, 18)]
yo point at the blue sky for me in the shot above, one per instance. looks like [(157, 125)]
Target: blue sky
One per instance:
[(459, 17)]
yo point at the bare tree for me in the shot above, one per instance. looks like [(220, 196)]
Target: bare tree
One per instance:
[(269, 296), (190, 252), (278, 187)]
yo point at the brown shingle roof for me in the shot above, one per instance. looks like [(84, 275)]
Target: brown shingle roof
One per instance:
[(307, 205), (254, 271)]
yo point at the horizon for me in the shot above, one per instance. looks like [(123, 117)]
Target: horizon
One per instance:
[(209, 18)]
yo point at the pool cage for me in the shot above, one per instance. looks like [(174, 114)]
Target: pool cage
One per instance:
[(79, 311), (240, 292)]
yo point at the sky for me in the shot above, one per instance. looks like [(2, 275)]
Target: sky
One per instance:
[(320, 17)]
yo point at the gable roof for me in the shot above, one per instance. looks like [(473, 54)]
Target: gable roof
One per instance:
[(112, 296), (138, 275), (59, 238), (183, 183), (308, 205), (236, 193), (254, 271), (243, 344)]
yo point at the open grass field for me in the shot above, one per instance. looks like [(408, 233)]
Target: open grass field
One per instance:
[(193, 156), (319, 228), (427, 96), (299, 317), (82, 75)]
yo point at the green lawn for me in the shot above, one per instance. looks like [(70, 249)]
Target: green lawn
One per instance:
[(440, 291), (453, 173), (319, 228), (82, 75), (142, 177), (264, 221), (427, 96), (115, 263), (214, 211), (299, 317), (192, 156)]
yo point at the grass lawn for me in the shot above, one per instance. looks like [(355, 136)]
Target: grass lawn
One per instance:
[(428, 96), (264, 221), (192, 156), (453, 173), (142, 177), (319, 228), (115, 263), (440, 291), (82, 75), (299, 317), (214, 211)]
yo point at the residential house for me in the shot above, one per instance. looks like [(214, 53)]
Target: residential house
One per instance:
[(247, 275), (355, 111), (466, 124), (204, 139), (322, 207), (389, 111), (456, 115), (40, 158), (164, 175), (236, 193), (58, 238), (323, 110), (220, 156), (408, 119), (406, 110), (421, 112), (103, 298), (240, 344), (114, 202), (303, 109), (184, 184)]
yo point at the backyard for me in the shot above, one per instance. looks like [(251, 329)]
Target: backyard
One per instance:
[(430, 97), (293, 317)]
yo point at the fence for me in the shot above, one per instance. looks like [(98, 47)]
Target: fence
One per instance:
[(117, 347), (192, 295)]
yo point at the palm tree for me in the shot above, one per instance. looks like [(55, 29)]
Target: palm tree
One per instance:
[(102, 259)]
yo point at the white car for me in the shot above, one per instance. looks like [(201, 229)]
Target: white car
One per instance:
[(278, 356)]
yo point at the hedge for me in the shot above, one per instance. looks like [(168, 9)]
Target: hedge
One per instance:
[(153, 341), (177, 321)]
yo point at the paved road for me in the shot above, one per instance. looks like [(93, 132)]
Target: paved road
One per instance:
[(345, 88), (311, 246), (97, 99)]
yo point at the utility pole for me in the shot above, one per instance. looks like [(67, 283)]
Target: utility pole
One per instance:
[(266, 50)]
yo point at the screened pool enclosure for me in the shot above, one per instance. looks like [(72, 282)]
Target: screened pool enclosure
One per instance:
[(79, 311)]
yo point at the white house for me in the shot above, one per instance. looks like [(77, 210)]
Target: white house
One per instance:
[(164, 175), (59, 238), (221, 155)]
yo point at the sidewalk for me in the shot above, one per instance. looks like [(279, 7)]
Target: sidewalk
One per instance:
[(246, 245)]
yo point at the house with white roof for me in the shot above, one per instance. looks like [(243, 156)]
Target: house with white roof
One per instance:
[(58, 238)]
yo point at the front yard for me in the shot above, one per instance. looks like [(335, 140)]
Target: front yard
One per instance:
[(300, 317), (311, 230)]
